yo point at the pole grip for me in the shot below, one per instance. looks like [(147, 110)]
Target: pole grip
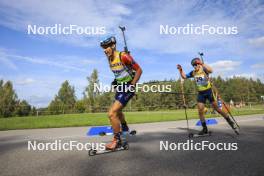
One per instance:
[(201, 55)]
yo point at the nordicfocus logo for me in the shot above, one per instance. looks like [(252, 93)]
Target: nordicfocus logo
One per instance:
[(203, 145), (124, 87), (191, 29), (58, 29), (58, 145)]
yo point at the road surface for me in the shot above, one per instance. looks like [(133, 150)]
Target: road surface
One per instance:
[(144, 156)]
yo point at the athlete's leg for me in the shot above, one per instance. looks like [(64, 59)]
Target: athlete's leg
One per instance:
[(121, 116), (113, 115), (200, 106), (216, 108), (123, 98), (201, 99), (225, 115), (213, 101), (122, 119), (115, 122)]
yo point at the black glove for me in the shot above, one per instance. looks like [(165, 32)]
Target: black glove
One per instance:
[(179, 67)]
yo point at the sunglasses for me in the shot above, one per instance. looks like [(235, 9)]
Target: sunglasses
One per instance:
[(105, 46)]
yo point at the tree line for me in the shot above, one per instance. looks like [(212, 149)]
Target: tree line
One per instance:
[(237, 89)]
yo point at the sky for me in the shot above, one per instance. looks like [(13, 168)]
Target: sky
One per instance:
[(38, 64)]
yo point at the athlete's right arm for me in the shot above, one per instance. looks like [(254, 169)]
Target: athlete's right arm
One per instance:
[(183, 75)]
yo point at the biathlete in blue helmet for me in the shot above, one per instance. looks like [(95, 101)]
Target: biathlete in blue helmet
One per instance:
[(127, 72)]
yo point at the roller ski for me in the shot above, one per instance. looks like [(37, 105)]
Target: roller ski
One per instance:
[(203, 133), (131, 133), (119, 143)]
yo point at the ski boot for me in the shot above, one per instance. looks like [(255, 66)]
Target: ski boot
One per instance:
[(203, 131), (116, 142)]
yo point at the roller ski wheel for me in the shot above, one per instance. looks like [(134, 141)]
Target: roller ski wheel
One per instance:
[(92, 152)]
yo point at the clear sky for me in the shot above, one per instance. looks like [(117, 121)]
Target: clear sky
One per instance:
[(38, 64)]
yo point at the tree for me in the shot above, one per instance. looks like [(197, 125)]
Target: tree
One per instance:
[(23, 108), (80, 106), (90, 92), (1, 98), (64, 101), (8, 99)]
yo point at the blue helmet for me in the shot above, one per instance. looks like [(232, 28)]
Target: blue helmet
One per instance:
[(108, 42)]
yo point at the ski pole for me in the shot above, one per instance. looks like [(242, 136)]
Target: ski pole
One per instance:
[(185, 106), (124, 37)]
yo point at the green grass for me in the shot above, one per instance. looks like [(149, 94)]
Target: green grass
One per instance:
[(97, 119)]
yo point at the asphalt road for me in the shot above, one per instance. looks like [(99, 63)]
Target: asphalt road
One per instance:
[(144, 156)]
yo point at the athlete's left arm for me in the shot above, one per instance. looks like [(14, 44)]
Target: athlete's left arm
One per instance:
[(129, 61), (207, 68)]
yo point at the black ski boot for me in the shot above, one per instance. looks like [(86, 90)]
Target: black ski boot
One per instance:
[(204, 130)]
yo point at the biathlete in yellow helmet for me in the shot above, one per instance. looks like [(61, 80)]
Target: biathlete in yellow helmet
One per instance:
[(204, 87), (127, 73)]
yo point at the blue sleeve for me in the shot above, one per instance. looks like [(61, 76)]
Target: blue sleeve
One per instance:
[(189, 75)]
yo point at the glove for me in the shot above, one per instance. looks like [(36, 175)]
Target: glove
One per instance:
[(179, 67)]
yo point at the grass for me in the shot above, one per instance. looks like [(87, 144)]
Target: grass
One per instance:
[(97, 119)]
